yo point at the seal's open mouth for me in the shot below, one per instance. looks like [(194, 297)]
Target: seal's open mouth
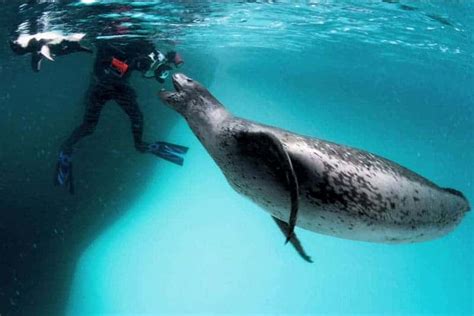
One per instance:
[(167, 94), (182, 86)]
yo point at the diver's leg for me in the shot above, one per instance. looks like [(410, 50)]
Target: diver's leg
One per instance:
[(171, 152), (96, 99), (95, 102), (127, 100)]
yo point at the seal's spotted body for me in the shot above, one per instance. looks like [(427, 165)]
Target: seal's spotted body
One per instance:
[(343, 192)]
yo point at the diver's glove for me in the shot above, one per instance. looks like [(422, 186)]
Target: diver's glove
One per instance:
[(175, 58), (170, 152), (64, 172)]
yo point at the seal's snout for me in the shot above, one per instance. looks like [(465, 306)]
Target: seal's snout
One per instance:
[(177, 80), (180, 77), (176, 84), (181, 81)]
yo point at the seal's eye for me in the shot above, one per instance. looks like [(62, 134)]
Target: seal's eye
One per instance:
[(189, 80)]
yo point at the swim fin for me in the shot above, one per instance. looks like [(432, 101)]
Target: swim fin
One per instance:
[(63, 176), (170, 152)]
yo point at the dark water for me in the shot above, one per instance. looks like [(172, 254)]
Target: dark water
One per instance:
[(142, 236)]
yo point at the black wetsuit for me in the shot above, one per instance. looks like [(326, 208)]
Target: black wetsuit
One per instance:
[(108, 85)]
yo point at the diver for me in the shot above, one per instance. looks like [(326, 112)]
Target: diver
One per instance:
[(114, 63)]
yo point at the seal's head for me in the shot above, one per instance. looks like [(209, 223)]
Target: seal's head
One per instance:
[(190, 96)]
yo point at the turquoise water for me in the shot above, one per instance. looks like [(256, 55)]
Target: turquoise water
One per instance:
[(396, 81)]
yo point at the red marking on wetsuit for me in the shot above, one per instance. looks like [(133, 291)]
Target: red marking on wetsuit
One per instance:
[(120, 66)]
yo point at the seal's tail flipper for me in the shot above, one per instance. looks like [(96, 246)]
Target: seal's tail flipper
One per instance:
[(170, 152), (272, 154), (285, 228)]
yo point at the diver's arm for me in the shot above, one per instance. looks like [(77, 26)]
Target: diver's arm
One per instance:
[(152, 63), (162, 71)]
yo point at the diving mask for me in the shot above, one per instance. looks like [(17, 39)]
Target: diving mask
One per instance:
[(157, 59)]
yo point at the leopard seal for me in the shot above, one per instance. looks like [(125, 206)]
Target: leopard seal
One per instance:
[(318, 185)]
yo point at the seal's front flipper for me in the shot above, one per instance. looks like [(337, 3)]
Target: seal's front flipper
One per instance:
[(270, 153), (36, 59), (285, 228)]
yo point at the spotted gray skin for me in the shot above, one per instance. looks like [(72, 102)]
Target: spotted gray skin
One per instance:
[(343, 191)]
